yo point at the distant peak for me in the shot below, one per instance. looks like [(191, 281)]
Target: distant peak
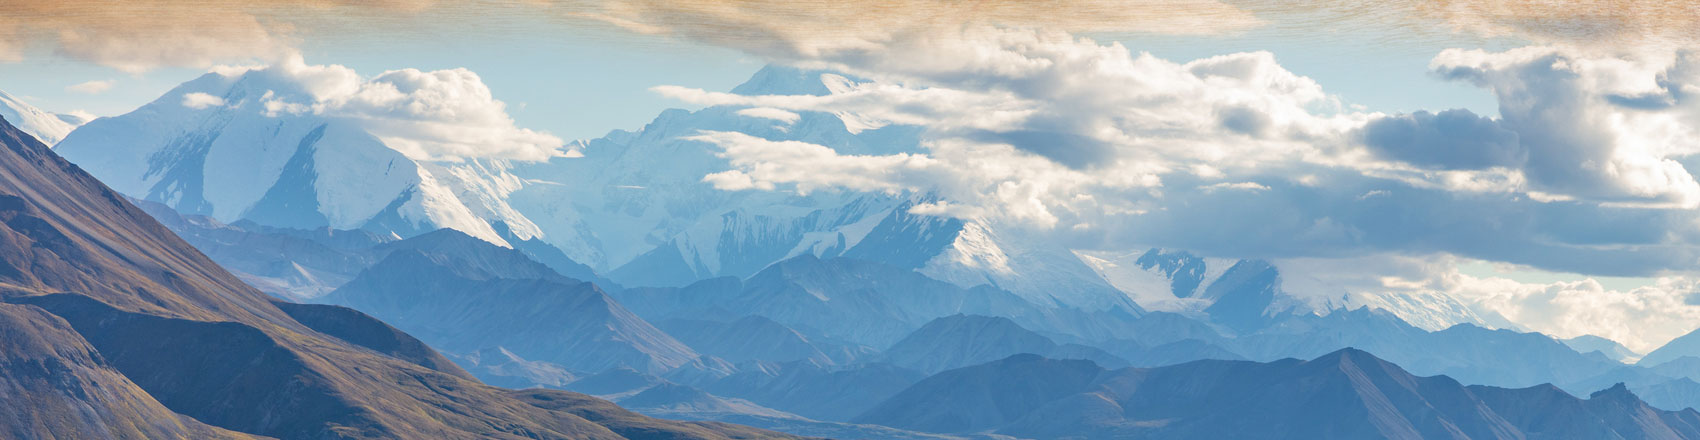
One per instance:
[(1023, 358), (1616, 392), (776, 79), (1350, 354)]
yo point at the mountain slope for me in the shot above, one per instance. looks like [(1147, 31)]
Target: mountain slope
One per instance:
[(816, 391), (246, 159), (207, 346), (1610, 348), (54, 384), (962, 340), (468, 295), (1685, 345), (858, 301), (985, 396), (753, 338)]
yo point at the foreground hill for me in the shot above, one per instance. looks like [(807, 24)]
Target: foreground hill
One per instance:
[(46, 367), (207, 347)]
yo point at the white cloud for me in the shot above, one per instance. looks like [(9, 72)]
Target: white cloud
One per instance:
[(1103, 147), (1042, 126), (444, 115), (761, 163), (91, 87), (1642, 318), (1599, 128), (1244, 186), (198, 100), (770, 113), (1077, 102)]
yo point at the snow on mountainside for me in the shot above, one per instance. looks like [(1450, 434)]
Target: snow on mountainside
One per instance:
[(278, 146), (635, 206), (635, 192), (237, 145), (50, 128), (1179, 282)]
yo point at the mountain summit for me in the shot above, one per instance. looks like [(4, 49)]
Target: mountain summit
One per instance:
[(47, 127), (236, 146)]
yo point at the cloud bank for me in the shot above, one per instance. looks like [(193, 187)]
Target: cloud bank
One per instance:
[(444, 115), (137, 35), (1582, 170)]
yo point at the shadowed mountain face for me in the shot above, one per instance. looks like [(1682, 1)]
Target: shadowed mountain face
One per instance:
[(464, 295), (962, 340), (1348, 394), (363, 330), (861, 302), (204, 345), (54, 384), (756, 338)]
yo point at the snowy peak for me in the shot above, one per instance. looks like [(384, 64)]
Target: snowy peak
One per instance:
[(1184, 270), (47, 127), (775, 79), (1245, 294), (242, 147)]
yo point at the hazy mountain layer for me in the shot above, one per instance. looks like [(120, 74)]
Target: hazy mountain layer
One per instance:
[(206, 346)]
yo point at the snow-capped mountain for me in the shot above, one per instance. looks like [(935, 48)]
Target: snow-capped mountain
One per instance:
[(219, 146), (48, 127), (636, 206), (1242, 294), (241, 145)]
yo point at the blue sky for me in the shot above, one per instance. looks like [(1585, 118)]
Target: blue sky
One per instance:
[(582, 82)]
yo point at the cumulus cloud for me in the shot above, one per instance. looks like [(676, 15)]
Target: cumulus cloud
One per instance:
[(1105, 147), (996, 182), (1452, 139), (1045, 127), (1606, 128), (91, 87), (444, 115), (1561, 305), (1074, 101), (1569, 309)]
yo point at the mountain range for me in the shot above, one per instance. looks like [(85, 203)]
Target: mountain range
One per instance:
[(619, 273), (112, 313), (631, 208), (1345, 394)]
